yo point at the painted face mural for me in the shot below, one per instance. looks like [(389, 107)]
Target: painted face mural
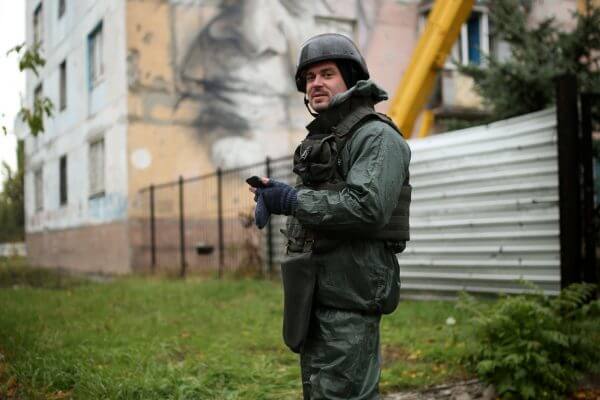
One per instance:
[(239, 66)]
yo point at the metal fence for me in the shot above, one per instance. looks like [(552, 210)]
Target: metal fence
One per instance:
[(204, 224), (485, 210)]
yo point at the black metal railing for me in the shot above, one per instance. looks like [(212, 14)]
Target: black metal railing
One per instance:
[(204, 224), (577, 120)]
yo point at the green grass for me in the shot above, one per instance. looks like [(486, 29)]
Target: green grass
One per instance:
[(144, 338)]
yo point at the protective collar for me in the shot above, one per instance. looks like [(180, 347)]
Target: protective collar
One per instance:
[(365, 92)]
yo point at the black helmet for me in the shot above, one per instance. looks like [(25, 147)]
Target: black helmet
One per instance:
[(329, 46)]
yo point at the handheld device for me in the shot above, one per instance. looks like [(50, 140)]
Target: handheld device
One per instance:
[(255, 181)]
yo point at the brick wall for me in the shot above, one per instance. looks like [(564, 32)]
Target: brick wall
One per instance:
[(94, 248)]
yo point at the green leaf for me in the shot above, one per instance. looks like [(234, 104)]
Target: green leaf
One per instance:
[(528, 391)]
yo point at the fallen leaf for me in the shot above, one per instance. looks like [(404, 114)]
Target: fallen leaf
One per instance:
[(12, 382)]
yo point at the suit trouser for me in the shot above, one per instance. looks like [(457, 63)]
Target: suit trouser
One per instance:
[(340, 358)]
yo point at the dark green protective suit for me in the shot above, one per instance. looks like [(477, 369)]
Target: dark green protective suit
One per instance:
[(357, 279)]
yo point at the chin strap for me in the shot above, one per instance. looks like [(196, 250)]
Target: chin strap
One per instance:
[(308, 108)]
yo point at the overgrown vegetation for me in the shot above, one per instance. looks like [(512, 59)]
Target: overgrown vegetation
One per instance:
[(64, 337), (534, 346), (15, 274), (138, 338), (12, 209), (12, 206), (524, 83)]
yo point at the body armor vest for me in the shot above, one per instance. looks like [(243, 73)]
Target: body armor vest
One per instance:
[(317, 162)]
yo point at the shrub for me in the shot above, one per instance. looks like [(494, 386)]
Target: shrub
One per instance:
[(533, 346)]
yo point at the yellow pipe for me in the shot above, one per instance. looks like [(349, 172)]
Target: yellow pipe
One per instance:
[(582, 6), (442, 29), (427, 120)]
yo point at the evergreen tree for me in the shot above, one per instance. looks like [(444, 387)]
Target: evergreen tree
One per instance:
[(12, 211), (524, 83)]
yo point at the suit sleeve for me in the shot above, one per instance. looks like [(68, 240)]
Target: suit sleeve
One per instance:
[(379, 159)]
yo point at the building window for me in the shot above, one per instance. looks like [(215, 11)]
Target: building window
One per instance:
[(473, 42), (475, 38), (38, 188), (63, 180), (62, 6), (38, 92), (63, 86), (96, 168), (38, 25), (95, 56)]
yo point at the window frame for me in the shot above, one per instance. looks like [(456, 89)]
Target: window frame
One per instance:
[(38, 25), (38, 188), (460, 49), (38, 93), (62, 88), (97, 181), (95, 56), (62, 8), (63, 176)]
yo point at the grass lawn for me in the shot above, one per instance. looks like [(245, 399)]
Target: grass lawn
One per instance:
[(144, 338)]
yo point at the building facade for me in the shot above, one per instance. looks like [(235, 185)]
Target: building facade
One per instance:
[(76, 181), (146, 91)]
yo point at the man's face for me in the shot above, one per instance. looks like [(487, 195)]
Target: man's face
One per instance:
[(323, 81)]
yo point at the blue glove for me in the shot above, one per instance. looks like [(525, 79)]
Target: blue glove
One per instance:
[(261, 213), (275, 198), (279, 198)]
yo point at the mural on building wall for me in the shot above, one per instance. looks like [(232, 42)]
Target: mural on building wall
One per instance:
[(238, 63)]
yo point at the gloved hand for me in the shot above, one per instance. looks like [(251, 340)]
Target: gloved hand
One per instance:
[(280, 198), (276, 198)]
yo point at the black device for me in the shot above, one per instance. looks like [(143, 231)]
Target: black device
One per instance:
[(255, 181)]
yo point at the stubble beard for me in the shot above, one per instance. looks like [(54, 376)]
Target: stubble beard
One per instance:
[(321, 106)]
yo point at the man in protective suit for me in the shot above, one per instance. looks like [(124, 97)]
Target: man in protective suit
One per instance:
[(348, 217)]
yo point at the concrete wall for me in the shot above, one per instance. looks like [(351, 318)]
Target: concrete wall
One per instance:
[(391, 42), (562, 11), (212, 84), (89, 115)]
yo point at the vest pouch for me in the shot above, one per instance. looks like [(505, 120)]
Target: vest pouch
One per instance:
[(296, 235), (299, 277), (392, 298), (315, 159)]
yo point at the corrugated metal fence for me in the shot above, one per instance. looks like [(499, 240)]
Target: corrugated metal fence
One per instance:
[(485, 211), (485, 208)]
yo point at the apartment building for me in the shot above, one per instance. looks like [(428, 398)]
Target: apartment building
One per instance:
[(146, 91)]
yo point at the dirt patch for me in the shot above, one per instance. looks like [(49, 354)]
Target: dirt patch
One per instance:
[(466, 390), (589, 389), (391, 353)]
